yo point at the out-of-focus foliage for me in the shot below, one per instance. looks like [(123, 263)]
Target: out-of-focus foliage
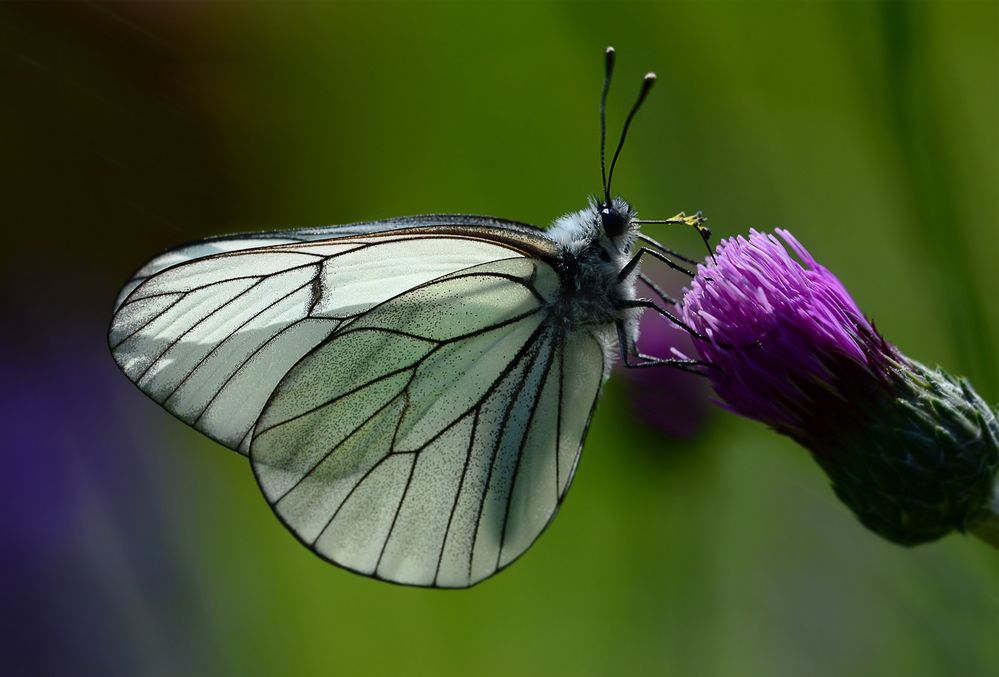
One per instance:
[(131, 542)]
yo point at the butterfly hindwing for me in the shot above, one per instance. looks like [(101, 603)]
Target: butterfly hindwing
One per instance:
[(427, 442)]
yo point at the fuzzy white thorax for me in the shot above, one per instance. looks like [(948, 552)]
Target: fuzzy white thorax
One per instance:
[(596, 263)]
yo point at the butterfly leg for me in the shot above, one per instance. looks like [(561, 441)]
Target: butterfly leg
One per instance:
[(636, 259), (658, 291), (629, 351), (644, 303)]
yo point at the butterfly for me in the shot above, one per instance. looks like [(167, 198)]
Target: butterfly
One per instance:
[(412, 393)]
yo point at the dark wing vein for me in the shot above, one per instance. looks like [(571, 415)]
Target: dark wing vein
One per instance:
[(233, 333), (224, 280), (346, 437), (398, 508), (458, 275), (416, 364), (404, 392), (558, 412), (180, 297), (497, 440), (196, 324), (589, 416), (263, 345), (185, 293), (457, 493), (342, 395), (377, 464), (520, 447)]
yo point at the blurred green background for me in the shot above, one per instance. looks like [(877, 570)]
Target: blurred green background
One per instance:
[(133, 545)]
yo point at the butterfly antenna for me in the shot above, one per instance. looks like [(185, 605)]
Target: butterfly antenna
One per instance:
[(647, 82), (608, 71)]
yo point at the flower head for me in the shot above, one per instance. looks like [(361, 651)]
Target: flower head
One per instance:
[(912, 451)]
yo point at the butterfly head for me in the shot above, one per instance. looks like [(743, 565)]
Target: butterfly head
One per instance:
[(612, 220), (608, 226), (614, 225)]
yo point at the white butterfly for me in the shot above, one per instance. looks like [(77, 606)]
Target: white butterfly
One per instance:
[(413, 393)]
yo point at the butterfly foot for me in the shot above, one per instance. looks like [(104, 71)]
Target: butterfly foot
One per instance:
[(696, 221)]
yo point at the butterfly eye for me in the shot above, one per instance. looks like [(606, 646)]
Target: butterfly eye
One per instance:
[(612, 221)]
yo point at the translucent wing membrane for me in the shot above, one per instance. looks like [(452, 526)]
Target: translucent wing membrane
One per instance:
[(210, 338), (412, 407), (243, 241), (431, 440)]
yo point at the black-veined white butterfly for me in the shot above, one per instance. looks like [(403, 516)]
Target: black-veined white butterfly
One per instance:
[(413, 393)]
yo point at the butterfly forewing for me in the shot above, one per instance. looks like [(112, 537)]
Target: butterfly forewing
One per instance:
[(210, 338), (232, 243)]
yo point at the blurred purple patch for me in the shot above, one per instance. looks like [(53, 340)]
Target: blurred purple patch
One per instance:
[(672, 401), (90, 583)]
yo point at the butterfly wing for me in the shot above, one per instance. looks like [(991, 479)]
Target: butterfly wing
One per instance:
[(454, 407), (210, 336), (242, 241), (431, 440)]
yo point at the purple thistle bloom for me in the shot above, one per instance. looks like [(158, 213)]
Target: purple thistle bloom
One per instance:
[(912, 451)]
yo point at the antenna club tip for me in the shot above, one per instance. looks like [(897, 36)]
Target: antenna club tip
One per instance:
[(650, 77), (609, 50)]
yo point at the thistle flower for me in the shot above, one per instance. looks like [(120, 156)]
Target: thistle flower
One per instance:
[(912, 451)]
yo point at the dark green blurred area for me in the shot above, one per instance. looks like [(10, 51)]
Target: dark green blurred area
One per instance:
[(868, 130)]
